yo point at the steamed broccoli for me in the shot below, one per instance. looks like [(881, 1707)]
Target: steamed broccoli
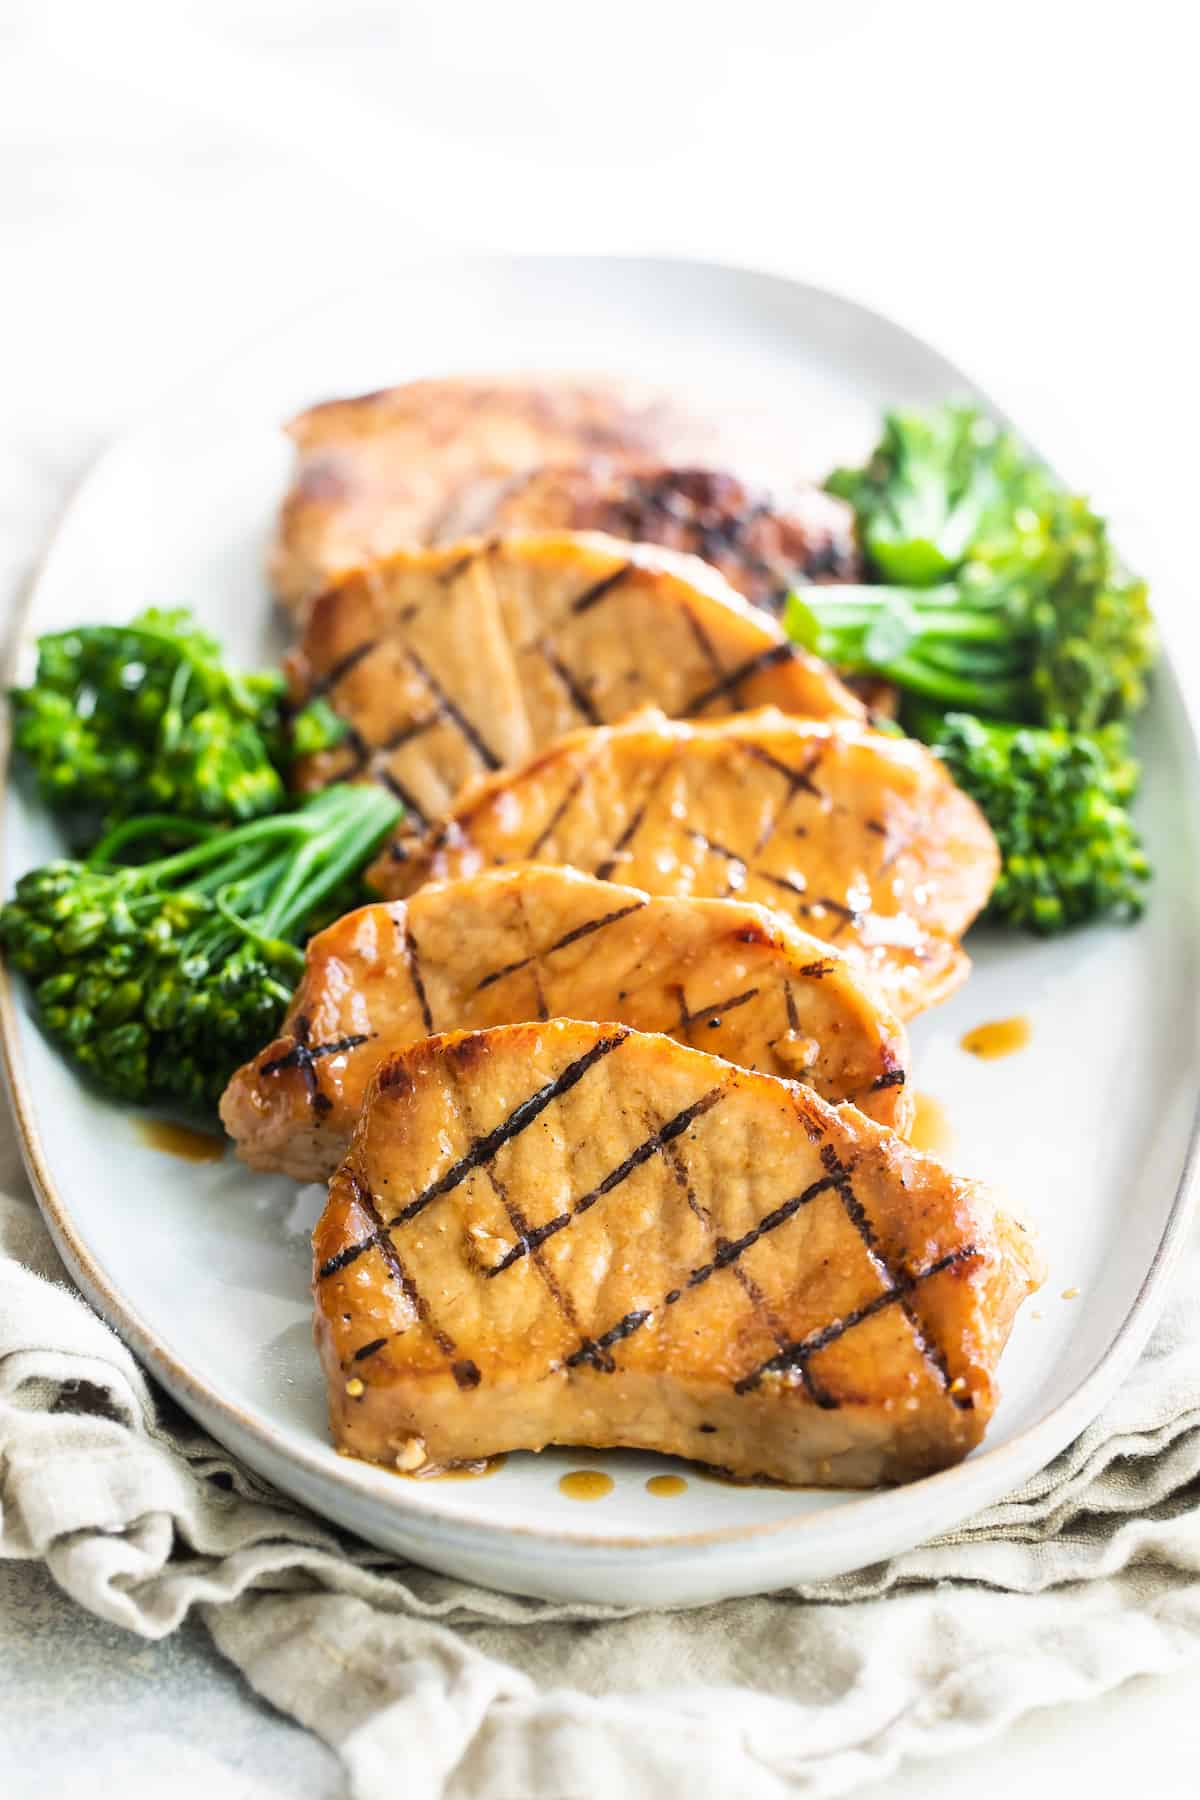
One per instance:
[(1058, 804), (124, 719), (1004, 595), (159, 979)]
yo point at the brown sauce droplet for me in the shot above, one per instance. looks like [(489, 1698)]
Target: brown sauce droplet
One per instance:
[(467, 1471), (666, 1486), (585, 1484), (181, 1141), (999, 1037), (931, 1129)]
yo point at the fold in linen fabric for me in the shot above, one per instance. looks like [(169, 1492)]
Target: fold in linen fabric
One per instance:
[(1089, 1575)]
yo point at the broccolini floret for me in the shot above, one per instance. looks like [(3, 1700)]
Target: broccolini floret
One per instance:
[(999, 591), (158, 979), (1058, 802), (144, 717)]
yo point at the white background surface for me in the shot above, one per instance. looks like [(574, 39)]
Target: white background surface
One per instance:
[(1016, 182)]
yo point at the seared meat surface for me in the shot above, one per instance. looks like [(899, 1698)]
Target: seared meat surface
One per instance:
[(763, 544), (387, 470), (580, 1234), (451, 663), (861, 839), (531, 943)]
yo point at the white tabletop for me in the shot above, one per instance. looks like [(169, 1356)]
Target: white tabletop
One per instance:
[(1015, 182)]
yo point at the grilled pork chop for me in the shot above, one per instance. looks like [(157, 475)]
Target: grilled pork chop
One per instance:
[(862, 839), (531, 943), (762, 544), (581, 1234), (451, 663), (383, 471)]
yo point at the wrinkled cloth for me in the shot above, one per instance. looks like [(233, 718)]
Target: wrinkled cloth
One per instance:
[(1087, 1576)]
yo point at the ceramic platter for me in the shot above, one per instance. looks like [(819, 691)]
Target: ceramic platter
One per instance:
[(1088, 1132)]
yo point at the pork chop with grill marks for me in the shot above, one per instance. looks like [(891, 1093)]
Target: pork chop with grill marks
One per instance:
[(860, 838), (385, 470), (531, 943), (455, 662), (764, 544), (580, 1234)]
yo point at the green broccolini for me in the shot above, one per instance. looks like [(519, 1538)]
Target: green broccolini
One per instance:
[(1000, 592), (1058, 803), (127, 719), (159, 979)]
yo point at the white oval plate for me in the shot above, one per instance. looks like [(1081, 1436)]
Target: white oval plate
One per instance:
[(204, 1270)]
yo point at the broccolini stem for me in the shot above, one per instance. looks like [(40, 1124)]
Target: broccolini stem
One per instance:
[(147, 825)]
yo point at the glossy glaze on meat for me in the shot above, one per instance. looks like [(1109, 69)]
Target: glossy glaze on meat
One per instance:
[(530, 943), (859, 838), (452, 663), (579, 1234)]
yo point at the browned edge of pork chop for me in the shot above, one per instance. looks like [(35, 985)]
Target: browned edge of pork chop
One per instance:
[(858, 837), (764, 543), (530, 943), (384, 470), (576, 1233)]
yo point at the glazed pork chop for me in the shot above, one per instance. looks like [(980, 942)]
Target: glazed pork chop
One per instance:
[(530, 943), (386, 470), (451, 663), (764, 544), (859, 838), (580, 1234)]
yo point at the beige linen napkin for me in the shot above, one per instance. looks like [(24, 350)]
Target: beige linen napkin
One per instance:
[(1088, 1576)]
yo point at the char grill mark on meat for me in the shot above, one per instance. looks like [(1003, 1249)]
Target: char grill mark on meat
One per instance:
[(791, 1356), (896, 1280), (382, 1240), (604, 868), (568, 937), (483, 1149), (513, 653), (650, 1146), (855, 1340), (528, 941), (450, 711), (754, 1294), (903, 916), (413, 958), (796, 1356), (521, 1226), (570, 794), (600, 590), (572, 686), (798, 780), (325, 684), (730, 682), (889, 1078), (716, 1010), (726, 1256), (302, 1057), (407, 800)]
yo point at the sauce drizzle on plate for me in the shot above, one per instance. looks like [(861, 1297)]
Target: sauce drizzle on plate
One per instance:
[(931, 1128), (585, 1484), (666, 1486), (181, 1140), (999, 1037)]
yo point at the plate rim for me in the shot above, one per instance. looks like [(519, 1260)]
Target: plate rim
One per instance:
[(976, 1482)]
